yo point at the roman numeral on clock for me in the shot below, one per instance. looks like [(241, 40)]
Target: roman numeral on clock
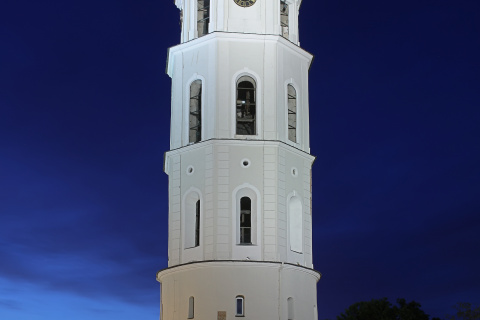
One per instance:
[(245, 3)]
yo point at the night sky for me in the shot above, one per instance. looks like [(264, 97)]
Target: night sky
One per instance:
[(84, 123)]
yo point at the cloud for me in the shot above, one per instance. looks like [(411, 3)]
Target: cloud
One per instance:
[(102, 249)]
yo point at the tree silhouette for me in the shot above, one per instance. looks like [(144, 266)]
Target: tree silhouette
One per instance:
[(382, 309), (465, 312)]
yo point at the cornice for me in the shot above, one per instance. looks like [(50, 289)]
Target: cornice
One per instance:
[(235, 37), (236, 142), (237, 263)]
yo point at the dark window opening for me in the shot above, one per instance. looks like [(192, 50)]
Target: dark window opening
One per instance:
[(284, 18), (245, 221), (203, 17), (195, 112), (239, 306), (191, 308), (197, 224), (292, 113), (181, 20), (246, 107)]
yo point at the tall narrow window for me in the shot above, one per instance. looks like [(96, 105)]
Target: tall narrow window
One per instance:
[(191, 308), (290, 308), (246, 106), (239, 308), (203, 17), (195, 115), (197, 224), (181, 19), (192, 217), (292, 113), (295, 218), (245, 220), (284, 18)]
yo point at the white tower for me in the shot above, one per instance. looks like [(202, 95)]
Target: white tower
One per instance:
[(239, 167)]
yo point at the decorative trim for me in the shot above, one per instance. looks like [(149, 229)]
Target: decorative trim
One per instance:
[(220, 263), (233, 36), (256, 224)]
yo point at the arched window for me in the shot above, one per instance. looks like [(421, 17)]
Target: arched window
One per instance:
[(284, 18), (191, 308), (240, 306), (203, 17), (192, 220), (290, 309), (292, 113), (195, 112), (295, 217), (245, 220), (246, 106), (248, 221)]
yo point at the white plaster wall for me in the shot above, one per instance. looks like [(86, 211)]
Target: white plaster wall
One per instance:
[(219, 59), (242, 41), (289, 185), (296, 283), (294, 71), (252, 178), (192, 182), (270, 204), (174, 205), (214, 285), (218, 173), (296, 184), (225, 16)]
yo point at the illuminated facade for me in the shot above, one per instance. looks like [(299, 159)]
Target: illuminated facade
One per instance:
[(239, 167)]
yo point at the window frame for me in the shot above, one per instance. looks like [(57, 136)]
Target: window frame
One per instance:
[(258, 104), (186, 110), (290, 308), (253, 249), (198, 130), (242, 299), (205, 20), (246, 104), (289, 113), (191, 201), (191, 308), (197, 223), (299, 126), (244, 225), (283, 4), (295, 217)]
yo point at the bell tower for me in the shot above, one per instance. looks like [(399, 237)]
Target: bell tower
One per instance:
[(239, 165)]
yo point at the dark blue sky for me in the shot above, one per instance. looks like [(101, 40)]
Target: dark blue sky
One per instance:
[(84, 123)]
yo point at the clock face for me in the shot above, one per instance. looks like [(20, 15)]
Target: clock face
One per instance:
[(245, 3)]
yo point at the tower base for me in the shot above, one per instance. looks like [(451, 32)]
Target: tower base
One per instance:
[(209, 290)]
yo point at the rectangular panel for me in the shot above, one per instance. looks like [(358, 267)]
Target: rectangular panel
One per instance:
[(222, 315)]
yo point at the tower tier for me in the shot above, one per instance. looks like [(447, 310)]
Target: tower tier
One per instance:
[(239, 200), (239, 86), (200, 17)]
